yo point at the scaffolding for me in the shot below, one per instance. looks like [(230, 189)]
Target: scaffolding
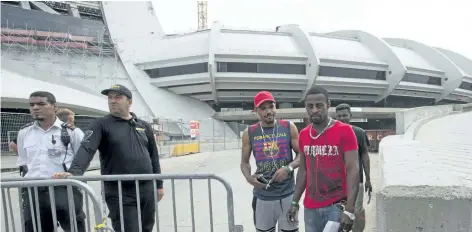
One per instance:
[(73, 55), (202, 14)]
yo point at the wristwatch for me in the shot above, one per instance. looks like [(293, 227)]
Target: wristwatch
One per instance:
[(350, 215)]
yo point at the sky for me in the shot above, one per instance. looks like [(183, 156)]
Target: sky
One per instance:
[(439, 23)]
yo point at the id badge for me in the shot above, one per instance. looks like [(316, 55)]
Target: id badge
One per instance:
[(54, 152)]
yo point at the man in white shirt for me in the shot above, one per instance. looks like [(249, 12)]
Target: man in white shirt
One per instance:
[(42, 151)]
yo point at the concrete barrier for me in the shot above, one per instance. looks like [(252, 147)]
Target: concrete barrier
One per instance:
[(411, 132), (422, 188), (463, 107), (405, 118), (185, 149)]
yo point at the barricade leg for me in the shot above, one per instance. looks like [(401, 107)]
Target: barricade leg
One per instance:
[(46, 204)]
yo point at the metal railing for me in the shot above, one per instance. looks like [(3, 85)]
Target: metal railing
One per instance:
[(25, 184), (123, 185)]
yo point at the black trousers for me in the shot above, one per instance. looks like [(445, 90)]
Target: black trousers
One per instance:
[(130, 210), (45, 209)]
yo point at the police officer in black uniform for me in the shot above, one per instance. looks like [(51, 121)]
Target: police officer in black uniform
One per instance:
[(126, 146)]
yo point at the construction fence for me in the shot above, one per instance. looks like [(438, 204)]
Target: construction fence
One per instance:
[(180, 137), (174, 137)]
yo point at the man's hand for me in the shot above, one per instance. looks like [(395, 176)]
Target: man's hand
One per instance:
[(70, 126), (160, 194), (292, 215), (281, 174), (61, 175), (346, 223), (254, 182), (368, 186)]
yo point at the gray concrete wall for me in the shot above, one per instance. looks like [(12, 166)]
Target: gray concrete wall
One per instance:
[(405, 118), (425, 180)]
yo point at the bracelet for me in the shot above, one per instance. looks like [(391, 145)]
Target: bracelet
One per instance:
[(288, 168), (295, 203)]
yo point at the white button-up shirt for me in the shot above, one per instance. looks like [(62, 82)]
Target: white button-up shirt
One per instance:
[(43, 152)]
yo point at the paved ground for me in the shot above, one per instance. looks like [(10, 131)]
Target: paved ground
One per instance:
[(449, 146), (224, 164)]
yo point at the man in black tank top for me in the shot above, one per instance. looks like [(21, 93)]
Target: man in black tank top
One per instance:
[(343, 114), (271, 142)]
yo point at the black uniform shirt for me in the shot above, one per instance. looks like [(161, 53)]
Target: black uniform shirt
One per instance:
[(362, 142), (126, 147)]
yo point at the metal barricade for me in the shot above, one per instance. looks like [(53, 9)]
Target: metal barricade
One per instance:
[(25, 186), (178, 217)]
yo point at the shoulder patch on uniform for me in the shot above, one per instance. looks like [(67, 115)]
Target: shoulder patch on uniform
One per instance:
[(87, 135), (27, 125)]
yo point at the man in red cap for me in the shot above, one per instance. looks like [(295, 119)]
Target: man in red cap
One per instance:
[(271, 142)]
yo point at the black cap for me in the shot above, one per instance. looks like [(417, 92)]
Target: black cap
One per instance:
[(119, 89)]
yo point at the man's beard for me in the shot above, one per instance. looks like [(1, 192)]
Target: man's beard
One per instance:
[(270, 119), (38, 118), (317, 121)]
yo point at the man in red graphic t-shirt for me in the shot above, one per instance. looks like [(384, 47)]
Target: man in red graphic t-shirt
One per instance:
[(329, 168)]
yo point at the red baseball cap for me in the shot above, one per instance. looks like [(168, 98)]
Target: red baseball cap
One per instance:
[(262, 97)]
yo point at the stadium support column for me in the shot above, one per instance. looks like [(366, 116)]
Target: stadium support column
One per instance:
[(25, 5), (42, 6), (214, 35), (73, 10), (304, 42), (396, 69), (453, 75)]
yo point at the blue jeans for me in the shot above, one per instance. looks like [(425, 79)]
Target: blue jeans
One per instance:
[(316, 219)]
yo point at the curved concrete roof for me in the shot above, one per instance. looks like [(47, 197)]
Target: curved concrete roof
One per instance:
[(438, 61), (147, 47), (347, 49)]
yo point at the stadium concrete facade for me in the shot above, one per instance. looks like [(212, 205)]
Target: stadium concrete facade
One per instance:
[(189, 76)]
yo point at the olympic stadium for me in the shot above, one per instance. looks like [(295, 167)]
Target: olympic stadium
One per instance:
[(76, 49)]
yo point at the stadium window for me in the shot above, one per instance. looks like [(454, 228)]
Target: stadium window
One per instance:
[(241, 67), (407, 102), (282, 68), (422, 79), (351, 73), (178, 70), (466, 86), (221, 67), (238, 67)]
